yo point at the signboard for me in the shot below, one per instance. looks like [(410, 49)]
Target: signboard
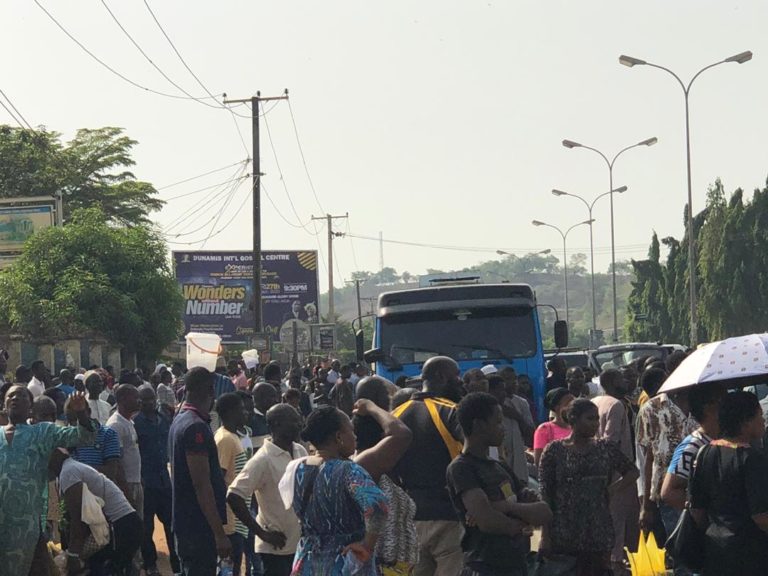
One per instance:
[(218, 295), (324, 337), (20, 218)]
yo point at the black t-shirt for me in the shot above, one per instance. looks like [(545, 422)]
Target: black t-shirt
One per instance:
[(731, 483), (483, 551), (422, 468)]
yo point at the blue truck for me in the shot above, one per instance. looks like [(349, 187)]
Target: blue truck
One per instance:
[(475, 324)]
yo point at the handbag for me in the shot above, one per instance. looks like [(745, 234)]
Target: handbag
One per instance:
[(686, 543)]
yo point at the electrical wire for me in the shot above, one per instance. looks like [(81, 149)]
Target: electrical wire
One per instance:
[(148, 59), (280, 214), (246, 161), (303, 159), (282, 177), (221, 213), (12, 115), (28, 125), (352, 245), (185, 218), (203, 189), (319, 247), (107, 66)]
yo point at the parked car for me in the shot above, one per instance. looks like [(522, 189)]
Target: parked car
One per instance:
[(575, 357)]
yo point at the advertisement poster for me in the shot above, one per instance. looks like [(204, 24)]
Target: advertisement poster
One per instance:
[(17, 223), (218, 296)]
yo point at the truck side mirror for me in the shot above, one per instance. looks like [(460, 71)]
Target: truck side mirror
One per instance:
[(359, 345), (374, 355), (561, 334)]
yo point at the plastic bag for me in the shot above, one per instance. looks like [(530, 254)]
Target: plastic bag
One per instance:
[(649, 558)]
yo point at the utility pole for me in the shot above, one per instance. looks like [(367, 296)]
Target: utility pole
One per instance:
[(258, 320), (331, 234)]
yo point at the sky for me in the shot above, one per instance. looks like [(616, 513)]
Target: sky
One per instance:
[(433, 122)]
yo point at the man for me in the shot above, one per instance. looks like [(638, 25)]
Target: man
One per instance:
[(232, 459), (518, 424), (39, 377), (498, 538), (662, 423), (334, 372), (614, 413), (557, 370), (100, 410), (475, 380), (104, 455), (237, 375), (22, 375), (178, 372), (264, 397), (297, 312), (436, 441), (166, 399), (261, 476), (273, 375), (341, 395), (574, 378), (705, 405), (152, 428), (127, 398), (198, 489), (361, 371), (67, 384)]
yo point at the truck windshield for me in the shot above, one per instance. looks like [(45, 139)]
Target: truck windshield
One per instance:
[(462, 334)]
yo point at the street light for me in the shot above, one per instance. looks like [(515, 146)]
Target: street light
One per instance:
[(565, 261), (739, 58), (505, 253), (590, 206), (648, 142)]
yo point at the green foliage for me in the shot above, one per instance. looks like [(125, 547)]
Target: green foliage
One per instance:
[(732, 257), (90, 171), (90, 278)]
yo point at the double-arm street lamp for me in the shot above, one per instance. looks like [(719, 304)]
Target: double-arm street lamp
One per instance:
[(738, 59), (610, 163), (565, 262), (590, 206)]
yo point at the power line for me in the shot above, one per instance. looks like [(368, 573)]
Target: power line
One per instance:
[(319, 246), (28, 125), (107, 66), (12, 115), (204, 189), (204, 174), (148, 59), (280, 172), (279, 213), (304, 160), (352, 244), (221, 212)]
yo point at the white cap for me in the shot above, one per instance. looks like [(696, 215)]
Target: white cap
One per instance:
[(80, 377), (489, 369)]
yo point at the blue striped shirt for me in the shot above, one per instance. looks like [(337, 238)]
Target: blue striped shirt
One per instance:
[(106, 447)]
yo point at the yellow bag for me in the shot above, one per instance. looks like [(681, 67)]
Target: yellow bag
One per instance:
[(649, 558)]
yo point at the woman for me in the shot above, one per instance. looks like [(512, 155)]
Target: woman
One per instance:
[(342, 511), (575, 478), (382, 440), (557, 401), (727, 491), (126, 526), (24, 452)]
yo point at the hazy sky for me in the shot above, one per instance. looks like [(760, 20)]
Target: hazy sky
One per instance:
[(436, 121)]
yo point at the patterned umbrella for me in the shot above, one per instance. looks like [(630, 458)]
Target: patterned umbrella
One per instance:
[(738, 361)]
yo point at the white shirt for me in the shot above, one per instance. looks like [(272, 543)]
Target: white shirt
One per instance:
[(332, 377), (36, 387), (129, 445), (261, 475), (100, 410), (116, 505)]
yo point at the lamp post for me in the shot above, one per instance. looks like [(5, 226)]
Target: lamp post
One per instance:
[(565, 261), (590, 206), (740, 58), (571, 144)]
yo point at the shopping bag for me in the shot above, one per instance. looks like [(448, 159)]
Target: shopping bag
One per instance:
[(649, 558)]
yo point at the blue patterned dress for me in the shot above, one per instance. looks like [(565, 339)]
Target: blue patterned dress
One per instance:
[(342, 502), (23, 480)]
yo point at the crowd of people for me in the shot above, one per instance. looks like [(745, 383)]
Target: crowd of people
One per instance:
[(327, 470)]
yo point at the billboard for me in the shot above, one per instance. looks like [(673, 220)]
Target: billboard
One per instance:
[(18, 223), (218, 295)]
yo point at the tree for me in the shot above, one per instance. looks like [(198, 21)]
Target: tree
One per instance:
[(90, 171), (90, 278), (623, 268), (578, 264)]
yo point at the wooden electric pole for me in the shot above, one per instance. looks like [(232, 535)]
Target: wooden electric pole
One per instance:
[(331, 234), (255, 101)]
